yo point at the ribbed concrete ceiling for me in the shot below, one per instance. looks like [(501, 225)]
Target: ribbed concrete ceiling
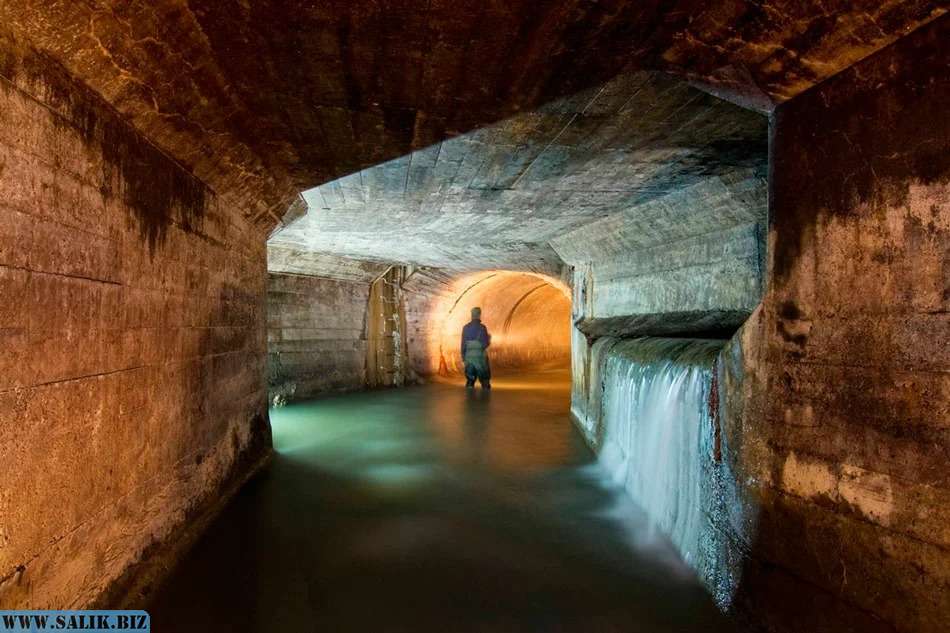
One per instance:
[(496, 197), (264, 99)]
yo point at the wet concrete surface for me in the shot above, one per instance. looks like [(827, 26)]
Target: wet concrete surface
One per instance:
[(434, 508)]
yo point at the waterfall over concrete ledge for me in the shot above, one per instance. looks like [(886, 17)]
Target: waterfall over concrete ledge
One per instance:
[(653, 419)]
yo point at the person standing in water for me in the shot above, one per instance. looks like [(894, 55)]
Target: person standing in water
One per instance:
[(475, 342)]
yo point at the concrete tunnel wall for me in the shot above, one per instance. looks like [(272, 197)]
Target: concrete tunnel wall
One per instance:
[(828, 481), (131, 329), (131, 392), (321, 337), (316, 336), (825, 468)]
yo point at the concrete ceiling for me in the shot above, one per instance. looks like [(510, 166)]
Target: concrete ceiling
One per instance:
[(265, 98), (496, 197)]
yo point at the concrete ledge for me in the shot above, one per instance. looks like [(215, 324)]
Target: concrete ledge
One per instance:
[(697, 324)]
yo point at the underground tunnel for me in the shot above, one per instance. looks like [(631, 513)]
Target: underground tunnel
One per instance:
[(530, 314), (240, 243)]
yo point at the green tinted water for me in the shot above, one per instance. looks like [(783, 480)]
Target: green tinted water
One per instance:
[(433, 509)]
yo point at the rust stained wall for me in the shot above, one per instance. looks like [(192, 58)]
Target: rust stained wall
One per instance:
[(845, 437), (387, 358), (131, 325)]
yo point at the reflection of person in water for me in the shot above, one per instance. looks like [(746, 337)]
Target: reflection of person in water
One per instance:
[(475, 342)]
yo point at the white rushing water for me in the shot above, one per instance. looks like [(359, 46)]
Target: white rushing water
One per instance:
[(657, 432)]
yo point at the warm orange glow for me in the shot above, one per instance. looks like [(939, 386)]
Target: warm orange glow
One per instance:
[(527, 314)]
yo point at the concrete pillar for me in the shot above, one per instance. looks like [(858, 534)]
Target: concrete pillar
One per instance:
[(845, 441)]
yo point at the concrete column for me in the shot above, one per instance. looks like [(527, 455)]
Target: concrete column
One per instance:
[(845, 444)]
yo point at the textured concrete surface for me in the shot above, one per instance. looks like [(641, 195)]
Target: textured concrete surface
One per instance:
[(316, 336), (262, 100), (854, 482), (303, 262), (830, 478), (131, 325), (689, 262), (670, 160), (327, 335), (387, 358), (427, 289), (466, 137)]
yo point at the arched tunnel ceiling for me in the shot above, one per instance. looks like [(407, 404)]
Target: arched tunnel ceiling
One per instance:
[(264, 99), (528, 316), (496, 197)]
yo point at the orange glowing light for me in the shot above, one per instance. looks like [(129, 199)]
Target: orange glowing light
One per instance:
[(527, 314)]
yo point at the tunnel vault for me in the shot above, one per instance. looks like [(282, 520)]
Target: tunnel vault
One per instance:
[(527, 315)]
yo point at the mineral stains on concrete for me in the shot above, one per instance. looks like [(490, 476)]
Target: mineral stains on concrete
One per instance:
[(434, 509)]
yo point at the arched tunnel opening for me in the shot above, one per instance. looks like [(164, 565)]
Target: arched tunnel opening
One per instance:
[(527, 315)]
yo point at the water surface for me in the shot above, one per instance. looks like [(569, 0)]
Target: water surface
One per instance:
[(434, 509)]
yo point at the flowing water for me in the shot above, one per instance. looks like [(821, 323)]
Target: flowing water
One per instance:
[(435, 509), (657, 437)]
